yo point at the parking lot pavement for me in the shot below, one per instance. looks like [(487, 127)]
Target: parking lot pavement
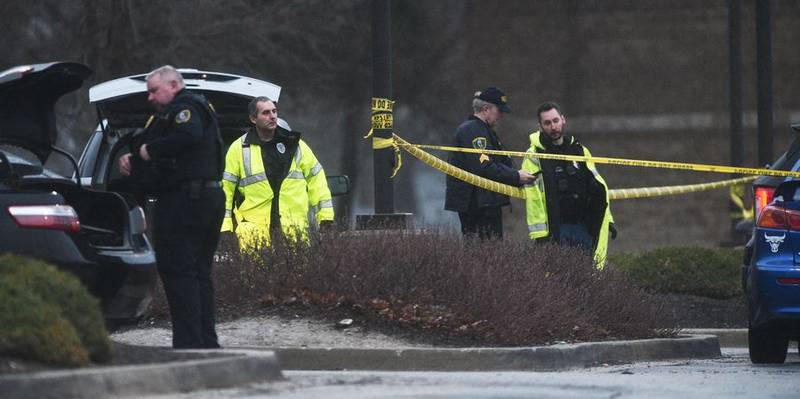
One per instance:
[(237, 366)]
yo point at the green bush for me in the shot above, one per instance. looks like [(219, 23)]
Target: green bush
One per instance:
[(34, 329), (58, 292), (707, 272)]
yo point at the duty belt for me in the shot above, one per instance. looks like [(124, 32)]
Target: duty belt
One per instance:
[(198, 184)]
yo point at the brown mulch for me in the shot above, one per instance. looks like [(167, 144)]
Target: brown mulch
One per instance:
[(689, 311)]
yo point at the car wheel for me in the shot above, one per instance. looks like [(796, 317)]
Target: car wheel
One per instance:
[(767, 344)]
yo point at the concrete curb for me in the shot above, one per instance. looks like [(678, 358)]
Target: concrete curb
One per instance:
[(728, 337), (138, 380), (549, 358)]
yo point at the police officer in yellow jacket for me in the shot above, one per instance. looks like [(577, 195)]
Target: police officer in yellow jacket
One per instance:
[(271, 181), (569, 202)]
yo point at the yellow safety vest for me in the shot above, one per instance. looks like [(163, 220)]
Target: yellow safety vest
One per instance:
[(304, 189), (536, 206)]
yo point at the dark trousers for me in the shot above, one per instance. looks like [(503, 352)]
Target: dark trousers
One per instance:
[(485, 223), (575, 235), (186, 233)]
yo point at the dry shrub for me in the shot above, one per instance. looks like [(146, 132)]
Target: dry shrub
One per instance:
[(511, 292)]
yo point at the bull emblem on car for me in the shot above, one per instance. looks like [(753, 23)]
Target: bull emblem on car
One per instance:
[(774, 242)]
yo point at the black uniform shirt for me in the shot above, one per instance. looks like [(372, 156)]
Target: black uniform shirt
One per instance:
[(276, 155), (569, 182)]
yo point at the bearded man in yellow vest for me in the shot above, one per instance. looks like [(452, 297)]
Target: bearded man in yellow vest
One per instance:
[(569, 203), (272, 181)]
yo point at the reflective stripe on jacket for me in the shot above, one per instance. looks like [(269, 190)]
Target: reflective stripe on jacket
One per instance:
[(536, 204), (304, 189)]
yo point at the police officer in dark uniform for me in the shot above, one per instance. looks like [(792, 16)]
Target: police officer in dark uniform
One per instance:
[(178, 160), (479, 210)]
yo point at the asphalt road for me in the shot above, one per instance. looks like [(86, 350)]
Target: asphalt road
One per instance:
[(732, 376)]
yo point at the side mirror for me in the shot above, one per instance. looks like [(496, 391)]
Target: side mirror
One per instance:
[(339, 185)]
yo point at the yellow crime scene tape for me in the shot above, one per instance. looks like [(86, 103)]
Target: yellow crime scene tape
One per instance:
[(383, 105), (623, 162), (646, 192), (382, 119), (458, 173), (518, 192)]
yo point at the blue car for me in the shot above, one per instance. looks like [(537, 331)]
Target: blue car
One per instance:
[(772, 277)]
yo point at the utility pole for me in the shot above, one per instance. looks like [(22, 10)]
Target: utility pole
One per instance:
[(382, 125), (764, 70), (735, 103), (735, 79), (383, 158)]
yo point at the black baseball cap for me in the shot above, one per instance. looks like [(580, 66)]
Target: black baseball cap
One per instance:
[(495, 96)]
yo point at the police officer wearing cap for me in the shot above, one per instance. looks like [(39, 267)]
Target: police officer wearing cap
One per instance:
[(479, 210), (178, 160), (569, 204)]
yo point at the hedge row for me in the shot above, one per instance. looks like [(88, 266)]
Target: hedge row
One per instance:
[(706, 272)]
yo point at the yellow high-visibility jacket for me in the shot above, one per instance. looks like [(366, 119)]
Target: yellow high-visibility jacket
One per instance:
[(536, 204), (304, 189)]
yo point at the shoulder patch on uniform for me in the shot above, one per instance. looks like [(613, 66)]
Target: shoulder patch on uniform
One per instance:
[(183, 116), (479, 143)]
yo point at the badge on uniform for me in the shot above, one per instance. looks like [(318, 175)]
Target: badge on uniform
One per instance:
[(183, 116), (281, 148), (479, 143)]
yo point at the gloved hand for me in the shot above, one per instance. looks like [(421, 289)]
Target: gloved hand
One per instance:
[(613, 230)]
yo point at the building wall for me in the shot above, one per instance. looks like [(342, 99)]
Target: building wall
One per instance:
[(637, 79)]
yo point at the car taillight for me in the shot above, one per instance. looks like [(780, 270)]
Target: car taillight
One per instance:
[(776, 217), (789, 280), (53, 217), (773, 217), (762, 198)]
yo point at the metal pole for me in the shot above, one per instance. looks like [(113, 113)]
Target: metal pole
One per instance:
[(764, 70), (735, 95), (735, 81), (383, 159)]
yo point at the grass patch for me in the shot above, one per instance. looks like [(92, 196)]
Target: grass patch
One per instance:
[(498, 293), (707, 272)]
